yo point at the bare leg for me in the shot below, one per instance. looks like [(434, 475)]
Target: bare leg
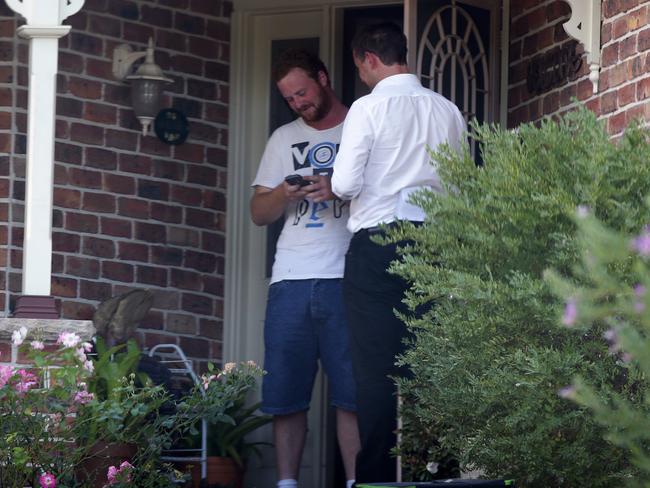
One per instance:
[(347, 432), (289, 432)]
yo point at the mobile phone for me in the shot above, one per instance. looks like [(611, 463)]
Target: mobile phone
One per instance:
[(297, 180)]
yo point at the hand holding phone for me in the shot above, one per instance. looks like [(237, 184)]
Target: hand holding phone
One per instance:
[(297, 180)]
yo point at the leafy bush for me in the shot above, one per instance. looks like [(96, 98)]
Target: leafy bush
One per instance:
[(488, 357), (614, 294)]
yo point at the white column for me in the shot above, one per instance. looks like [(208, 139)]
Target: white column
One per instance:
[(37, 246), (43, 29)]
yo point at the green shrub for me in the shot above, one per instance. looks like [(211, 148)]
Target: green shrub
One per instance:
[(488, 356), (614, 294)]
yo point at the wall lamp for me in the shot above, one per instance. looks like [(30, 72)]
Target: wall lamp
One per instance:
[(146, 83)]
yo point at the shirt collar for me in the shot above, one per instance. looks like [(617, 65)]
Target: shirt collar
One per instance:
[(400, 79)]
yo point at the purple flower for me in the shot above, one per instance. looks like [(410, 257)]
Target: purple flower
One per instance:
[(6, 372), (582, 211), (570, 312), (641, 244), (568, 392)]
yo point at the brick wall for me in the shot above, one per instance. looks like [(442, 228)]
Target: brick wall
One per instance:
[(129, 211), (536, 27)]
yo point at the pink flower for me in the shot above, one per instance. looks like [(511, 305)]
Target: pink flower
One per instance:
[(89, 366), (82, 397), (47, 480), (27, 381), (639, 291), (6, 372), (119, 475), (37, 345), (68, 339), (112, 474), (570, 312), (568, 392)]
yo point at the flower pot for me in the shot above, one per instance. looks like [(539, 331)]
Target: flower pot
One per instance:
[(101, 455), (223, 472)]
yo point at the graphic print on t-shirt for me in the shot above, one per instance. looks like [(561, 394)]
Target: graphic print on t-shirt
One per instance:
[(320, 158)]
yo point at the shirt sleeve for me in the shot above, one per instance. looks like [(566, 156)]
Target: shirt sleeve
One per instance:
[(269, 173), (356, 142)]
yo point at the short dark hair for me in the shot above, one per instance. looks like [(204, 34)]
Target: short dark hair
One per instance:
[(384, 39), (298, 58)]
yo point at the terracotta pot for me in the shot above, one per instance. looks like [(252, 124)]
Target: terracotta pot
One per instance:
[(100, 457), (223, 472)]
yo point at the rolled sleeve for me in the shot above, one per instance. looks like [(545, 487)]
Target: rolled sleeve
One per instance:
[(351, 160)]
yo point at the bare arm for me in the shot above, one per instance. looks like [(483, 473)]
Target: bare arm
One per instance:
[(268, 204)]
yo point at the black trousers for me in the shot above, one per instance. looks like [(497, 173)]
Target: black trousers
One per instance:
[(371, 295)]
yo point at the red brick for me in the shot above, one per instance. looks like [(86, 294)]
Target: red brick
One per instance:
[(644, 40), (130, 251), (212, 329), (616, 123), (166, 256), (68, 107), (166, 213), (85, 178), (65, 197), (153, 145), (100, 113), (153, 190), (98, 202), (150, 232), (189, 23), (160, 17), (76, 311), (102, 248), (94, 290), (117, 271), (218, 157), (181, 324), (643, 89), (115, 227), (610, 55), (213, 242), (121, 139), (81, 222), (119, 184), (181, 236), (85, 88), (214, 200), (100, 158), (151, 275), (199, 347), (153, 320), (64, 287), (135, 164), (200, 218), (138, 33), (609, 102), (82, 267), (88, 134), (106, 26), (185, 195), (185, 279), (65, 242), (131, 207), (627, 94), (200, 261), (202, 175)]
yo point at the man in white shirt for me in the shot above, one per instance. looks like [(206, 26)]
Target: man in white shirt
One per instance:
[(383, 158), (305, 318)]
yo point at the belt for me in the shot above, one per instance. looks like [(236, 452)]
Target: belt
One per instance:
[(381, 229)]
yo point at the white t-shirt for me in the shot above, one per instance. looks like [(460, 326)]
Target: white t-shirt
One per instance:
[(314, 238)]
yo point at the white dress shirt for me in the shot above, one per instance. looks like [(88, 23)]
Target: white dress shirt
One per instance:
[(384, 155)]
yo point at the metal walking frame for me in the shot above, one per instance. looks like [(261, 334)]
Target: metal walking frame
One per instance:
[(176, 361)]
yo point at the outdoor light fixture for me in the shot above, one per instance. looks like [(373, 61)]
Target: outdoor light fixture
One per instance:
[(146, 84)]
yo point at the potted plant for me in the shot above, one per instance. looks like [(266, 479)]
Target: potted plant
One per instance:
[(221, 400), (37, 406)]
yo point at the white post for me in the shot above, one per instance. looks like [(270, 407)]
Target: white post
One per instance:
[(43, 30)]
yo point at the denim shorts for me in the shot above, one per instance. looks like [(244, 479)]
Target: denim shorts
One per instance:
[(304, 323)]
